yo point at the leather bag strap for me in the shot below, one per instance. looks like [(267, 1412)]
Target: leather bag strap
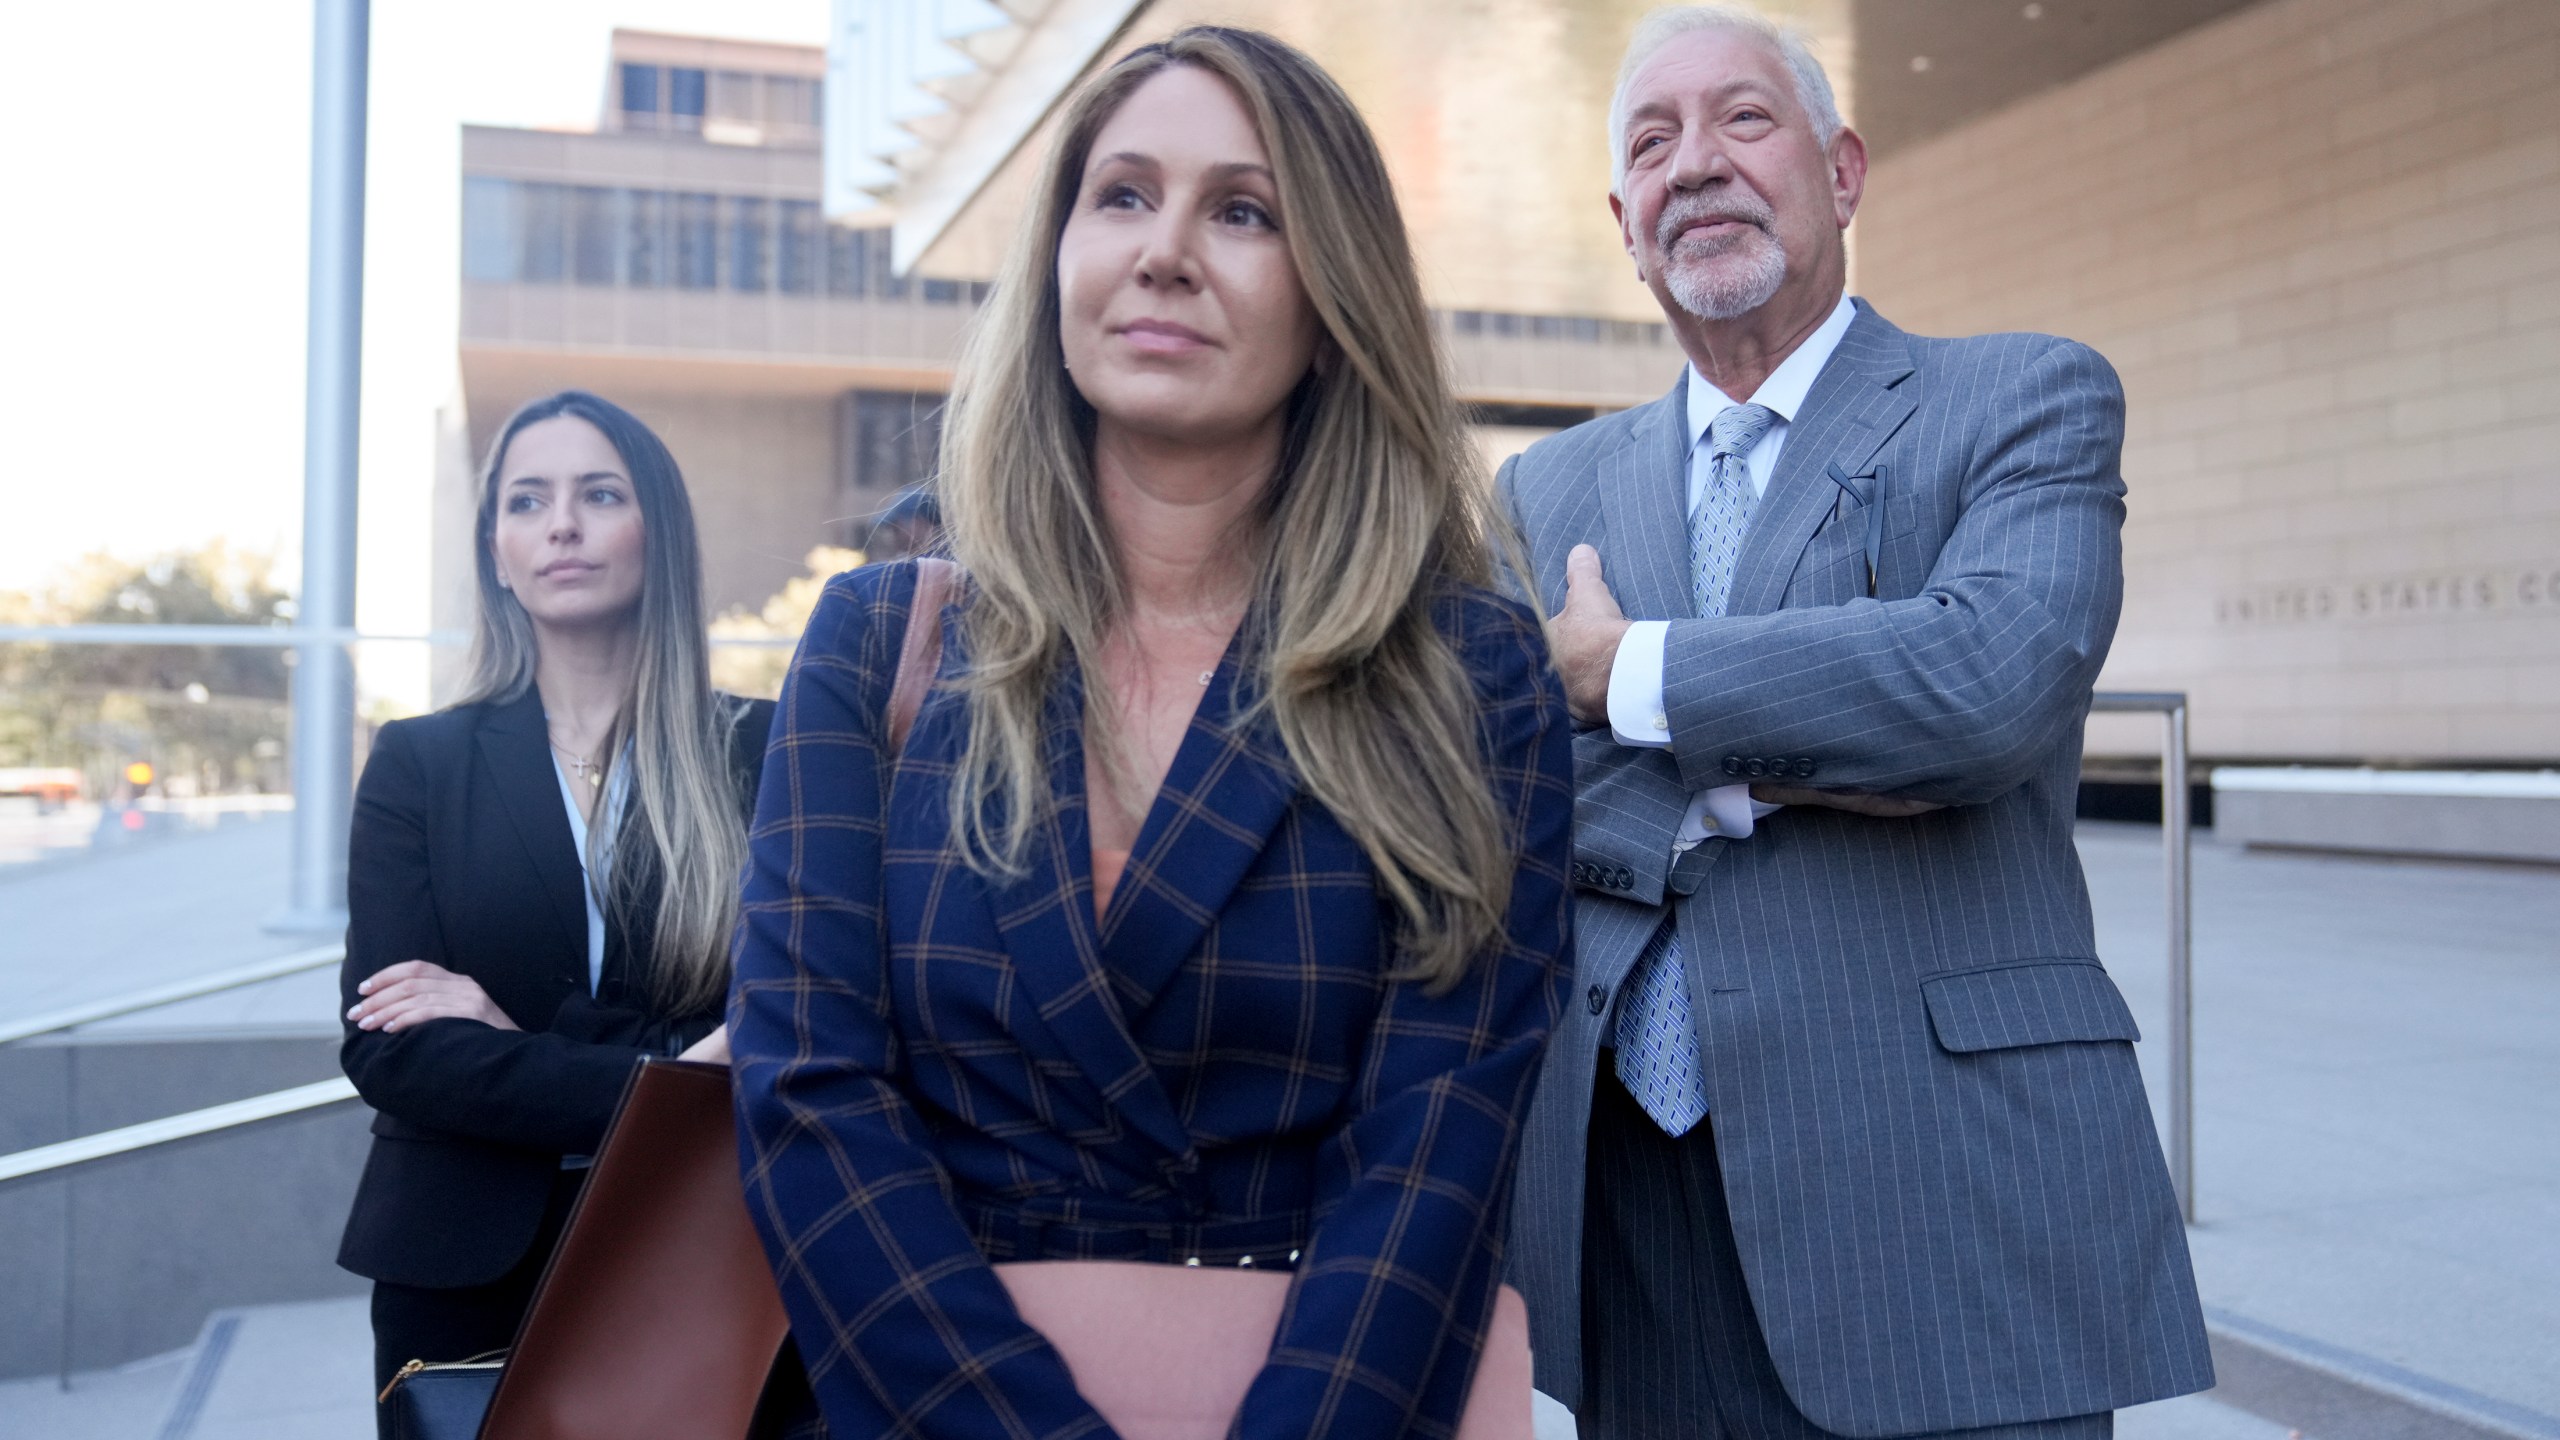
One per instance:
[(920, 652)]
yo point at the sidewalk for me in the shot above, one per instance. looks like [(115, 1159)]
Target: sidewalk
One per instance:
[(299, 1372), (2377, 1101)]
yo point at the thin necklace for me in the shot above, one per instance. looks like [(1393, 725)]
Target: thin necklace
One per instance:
[(590, 771)]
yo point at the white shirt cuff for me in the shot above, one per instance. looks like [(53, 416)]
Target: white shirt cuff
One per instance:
[(1636, 715), (1726, 810)]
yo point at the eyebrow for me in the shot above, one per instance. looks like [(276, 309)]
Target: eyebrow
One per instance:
[(1226, 171), (575, 479), (1725, 95)]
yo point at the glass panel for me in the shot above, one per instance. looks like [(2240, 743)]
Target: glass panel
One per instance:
[(790, 102), (733, 96), (750, 253), (848, 261), (943, 292), (697, 227), (796, 261), (644, 238), (595, 216), (684, 99), (544, 209), (897, 439), (640, 94), (488, 228), (885, 282)]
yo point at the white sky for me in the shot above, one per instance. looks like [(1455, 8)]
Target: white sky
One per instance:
[(152, 270)]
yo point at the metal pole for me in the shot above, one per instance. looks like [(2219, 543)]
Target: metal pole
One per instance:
[(324, 696), (2176, 834)]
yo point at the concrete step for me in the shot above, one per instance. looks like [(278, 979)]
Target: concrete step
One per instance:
[(277, 1372)]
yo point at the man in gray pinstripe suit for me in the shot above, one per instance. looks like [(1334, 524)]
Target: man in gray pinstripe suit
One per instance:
[(1844, 1135)]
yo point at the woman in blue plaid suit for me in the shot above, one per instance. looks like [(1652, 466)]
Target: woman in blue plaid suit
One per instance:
[(1215, 910)]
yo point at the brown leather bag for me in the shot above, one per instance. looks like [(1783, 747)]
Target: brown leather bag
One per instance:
[(657, 1318)]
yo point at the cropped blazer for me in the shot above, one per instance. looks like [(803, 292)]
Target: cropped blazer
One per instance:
[(936, 1069), (460, 853)]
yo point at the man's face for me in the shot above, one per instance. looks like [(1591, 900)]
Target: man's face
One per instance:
[(1727, 199)]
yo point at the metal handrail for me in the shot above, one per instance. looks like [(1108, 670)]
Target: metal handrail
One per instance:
[(108, 1144), (71, 1017), (2177, 839)]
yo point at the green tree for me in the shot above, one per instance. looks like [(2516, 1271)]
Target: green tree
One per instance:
[(215, 715)]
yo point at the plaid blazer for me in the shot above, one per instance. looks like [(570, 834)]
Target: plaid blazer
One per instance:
[(936, 1070)]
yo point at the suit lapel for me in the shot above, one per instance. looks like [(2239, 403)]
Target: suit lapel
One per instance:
[(1046, 918), (1228, 787), (1853, 408), (1644, 496), (516, 747)]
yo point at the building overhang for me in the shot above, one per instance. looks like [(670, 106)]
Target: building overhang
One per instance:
[(928, 99)]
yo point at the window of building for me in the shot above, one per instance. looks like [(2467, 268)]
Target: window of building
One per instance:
[(884, 280), (543, 212), (796, 257), (944, 292), (488, 228), (790, 103), (595, 234), (684, 99), (697, 241), (640, 97), (848, 261), (733, 97), (889, 439), (750, 256), (644, 238)]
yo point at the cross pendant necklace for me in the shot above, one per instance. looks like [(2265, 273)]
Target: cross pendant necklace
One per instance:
[(587, 770)]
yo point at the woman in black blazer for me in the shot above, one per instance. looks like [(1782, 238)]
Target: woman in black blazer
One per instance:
[(541, 879)]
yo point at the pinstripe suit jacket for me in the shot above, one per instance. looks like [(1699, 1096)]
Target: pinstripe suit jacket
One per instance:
[(1945, 1187), (935, 1070)]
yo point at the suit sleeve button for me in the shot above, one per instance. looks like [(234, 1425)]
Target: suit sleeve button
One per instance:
[(1626, 878), (1755, 767), (1598, 999), (1804, 767), (1733, 764)]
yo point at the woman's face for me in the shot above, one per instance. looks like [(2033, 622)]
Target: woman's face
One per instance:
[(568, 538), (1181, 313)]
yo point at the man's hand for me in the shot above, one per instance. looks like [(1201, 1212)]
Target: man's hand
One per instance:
[(414, 992), (1585, 634)]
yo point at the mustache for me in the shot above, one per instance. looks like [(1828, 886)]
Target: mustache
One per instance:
[(1694, 209)]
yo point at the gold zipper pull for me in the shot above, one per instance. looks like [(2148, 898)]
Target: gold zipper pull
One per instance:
[(403, 1373)]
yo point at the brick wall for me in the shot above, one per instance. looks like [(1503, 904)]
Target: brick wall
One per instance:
[(2321, 241)]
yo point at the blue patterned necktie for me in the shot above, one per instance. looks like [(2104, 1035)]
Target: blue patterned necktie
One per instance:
[(1657, 1037)]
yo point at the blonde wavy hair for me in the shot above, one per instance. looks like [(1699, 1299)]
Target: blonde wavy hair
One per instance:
[(1376, 512), (672, 725)]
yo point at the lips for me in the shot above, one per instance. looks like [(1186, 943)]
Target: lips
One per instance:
[(1162, 336), (568, 569)]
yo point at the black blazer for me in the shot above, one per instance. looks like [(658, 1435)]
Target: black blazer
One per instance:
[(461, 854)]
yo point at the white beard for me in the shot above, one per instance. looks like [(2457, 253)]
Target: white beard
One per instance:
[(1721, 286)]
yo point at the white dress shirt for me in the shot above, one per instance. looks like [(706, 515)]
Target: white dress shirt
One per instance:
[(1637, 715), (617, 789)]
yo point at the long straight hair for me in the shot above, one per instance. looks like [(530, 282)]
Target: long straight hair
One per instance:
[(1376, 512), (682, 806)]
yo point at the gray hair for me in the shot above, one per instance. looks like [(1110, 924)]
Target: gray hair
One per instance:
[(1813, 85)]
